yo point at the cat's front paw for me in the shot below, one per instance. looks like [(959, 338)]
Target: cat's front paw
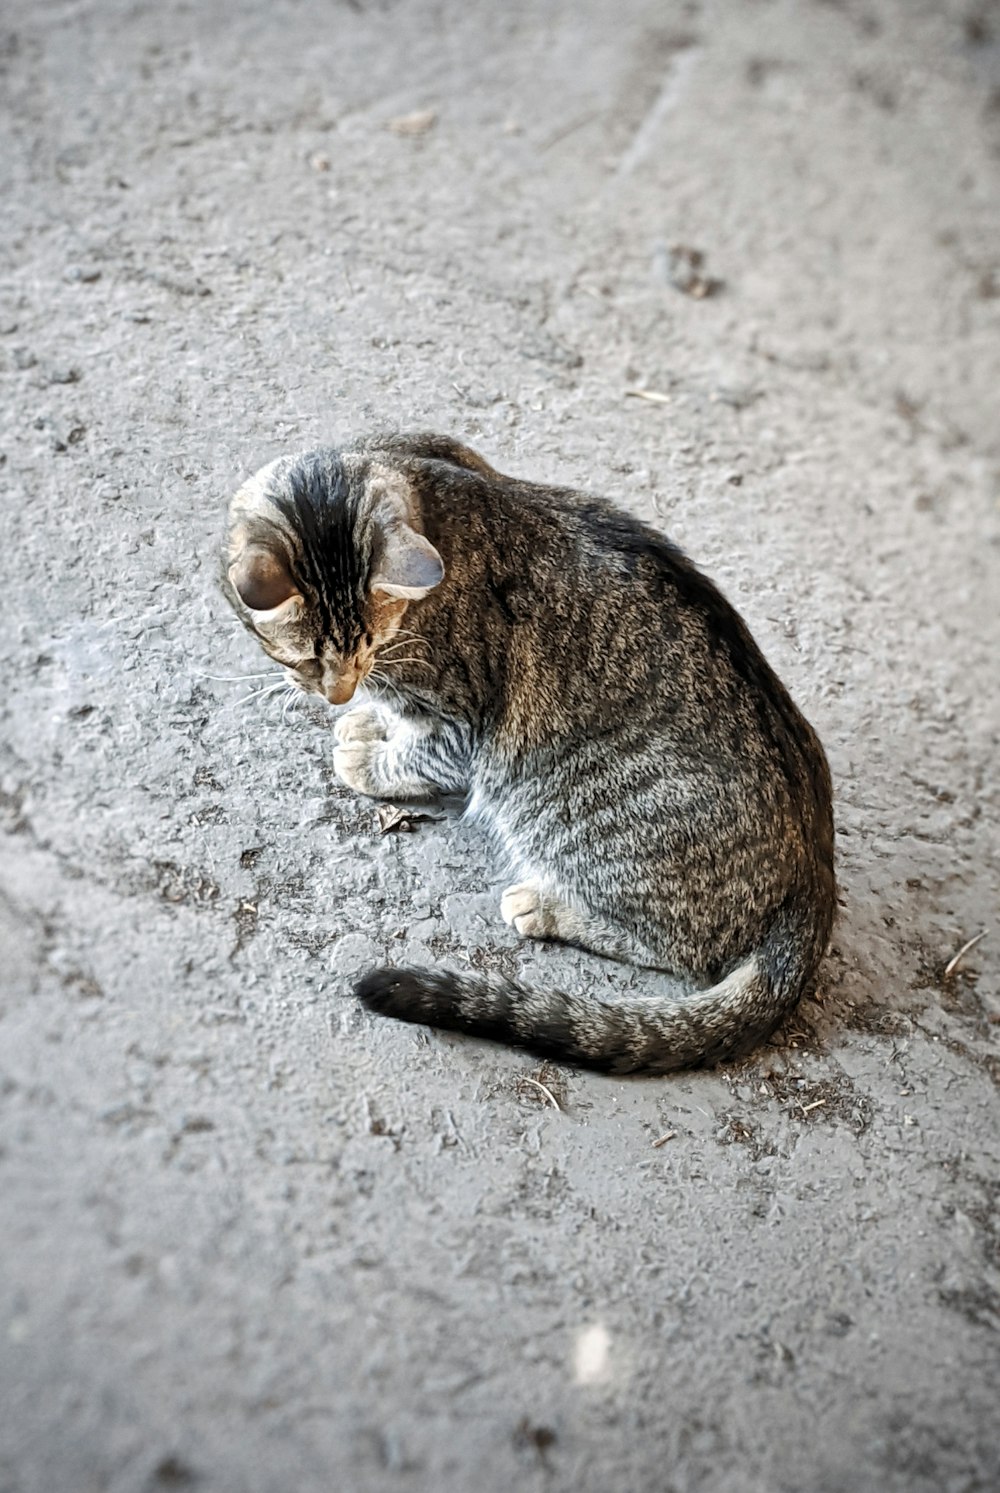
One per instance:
[(356, 764), (363, 723)]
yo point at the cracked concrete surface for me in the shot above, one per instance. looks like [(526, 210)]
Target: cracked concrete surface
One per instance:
[(251, 1238)]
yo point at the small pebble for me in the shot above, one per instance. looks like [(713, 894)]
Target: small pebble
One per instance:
[(417, 123)]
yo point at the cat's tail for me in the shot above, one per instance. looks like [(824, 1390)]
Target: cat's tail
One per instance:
[(628, 1036)]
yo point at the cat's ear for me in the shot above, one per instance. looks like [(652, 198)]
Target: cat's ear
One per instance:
[(262, 580), (410, 566)]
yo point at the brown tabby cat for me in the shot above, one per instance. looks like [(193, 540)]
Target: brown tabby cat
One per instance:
[(646, 777)]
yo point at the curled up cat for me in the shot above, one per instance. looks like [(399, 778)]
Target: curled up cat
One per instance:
[(653, 791)]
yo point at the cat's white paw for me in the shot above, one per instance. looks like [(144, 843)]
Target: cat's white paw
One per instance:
[(523, 908), (363, 723), (354, 763)]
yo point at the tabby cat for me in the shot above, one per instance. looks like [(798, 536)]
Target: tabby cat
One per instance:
[(654, 792)]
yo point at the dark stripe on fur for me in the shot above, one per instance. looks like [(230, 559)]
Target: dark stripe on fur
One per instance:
[(323, 513)]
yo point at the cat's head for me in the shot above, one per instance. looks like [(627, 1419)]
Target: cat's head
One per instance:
[(324, 555)]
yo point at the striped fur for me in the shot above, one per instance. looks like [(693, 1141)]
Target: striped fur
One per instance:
[(644, 774)]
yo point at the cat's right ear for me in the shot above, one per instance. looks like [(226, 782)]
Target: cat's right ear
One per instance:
[(410, 565), (262, 581)]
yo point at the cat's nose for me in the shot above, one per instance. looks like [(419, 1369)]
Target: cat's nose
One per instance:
[(342, 689)]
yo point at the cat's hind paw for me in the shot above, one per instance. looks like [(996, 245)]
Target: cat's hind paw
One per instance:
[(526, 909)]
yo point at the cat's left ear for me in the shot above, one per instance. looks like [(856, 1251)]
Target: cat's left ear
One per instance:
[(262, 580), (410, 566)]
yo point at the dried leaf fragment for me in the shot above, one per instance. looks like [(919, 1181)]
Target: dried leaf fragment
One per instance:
[(685, 271), (403, 817), (394, 817)]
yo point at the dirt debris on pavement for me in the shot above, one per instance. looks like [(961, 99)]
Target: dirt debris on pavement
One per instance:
[(253, 1239)]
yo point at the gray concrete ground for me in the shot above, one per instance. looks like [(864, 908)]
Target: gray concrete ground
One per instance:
[(251, 1239)]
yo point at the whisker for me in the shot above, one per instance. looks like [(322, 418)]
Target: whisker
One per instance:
[(385, 650), (259, 694), (411, 641), (386, 683), (387, 660), (395, 643), (238, 678), (403, 635)]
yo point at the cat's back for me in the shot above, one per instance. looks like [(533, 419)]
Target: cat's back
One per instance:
[(660, 656), (610, 621)]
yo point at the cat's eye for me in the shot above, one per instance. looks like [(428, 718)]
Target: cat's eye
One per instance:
[(309, 668)]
